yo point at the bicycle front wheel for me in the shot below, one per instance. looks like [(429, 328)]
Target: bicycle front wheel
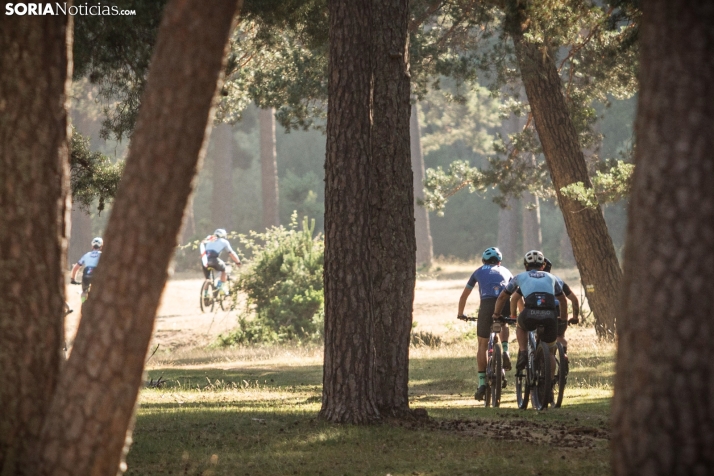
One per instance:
[(496, 375), (560, 377), (542, 382), (207, 294)]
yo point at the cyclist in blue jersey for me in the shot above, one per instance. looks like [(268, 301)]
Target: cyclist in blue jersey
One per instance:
[(540, 291), (518, 305), (90, 261), (491, 279), (214, 245)]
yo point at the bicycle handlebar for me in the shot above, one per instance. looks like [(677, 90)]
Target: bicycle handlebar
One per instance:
[(506, 320)]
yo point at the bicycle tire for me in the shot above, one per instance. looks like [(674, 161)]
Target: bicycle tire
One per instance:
[(496, 377), (207, 296), (541, 377), (523, 389), (560, 378)]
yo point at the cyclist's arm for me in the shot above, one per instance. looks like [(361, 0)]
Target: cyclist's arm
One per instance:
[(74, 271), (500, 302), (234, 257), (576, 307), (516, 299), (563, 306), (462, 300)]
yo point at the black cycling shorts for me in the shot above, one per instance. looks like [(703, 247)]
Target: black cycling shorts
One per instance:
[(485, 316), (530, 319), (87, 278), (213, 261)]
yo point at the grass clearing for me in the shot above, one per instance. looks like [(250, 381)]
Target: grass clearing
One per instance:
[(253, 411)]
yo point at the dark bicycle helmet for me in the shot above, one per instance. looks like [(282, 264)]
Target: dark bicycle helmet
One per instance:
[(548, 266)]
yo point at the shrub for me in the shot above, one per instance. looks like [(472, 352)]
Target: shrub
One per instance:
[(282, 284)]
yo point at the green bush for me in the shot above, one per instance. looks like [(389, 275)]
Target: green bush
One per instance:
[(283, 285)]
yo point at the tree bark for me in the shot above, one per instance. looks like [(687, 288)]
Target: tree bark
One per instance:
[(348, 377), (508, 231), (222, 196), (269, 168), (393, 242), (662, 414), (424, 244), (34, 190), (592, 246), (85, 431)]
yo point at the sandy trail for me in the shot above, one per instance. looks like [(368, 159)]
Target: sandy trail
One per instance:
[(181, 323)]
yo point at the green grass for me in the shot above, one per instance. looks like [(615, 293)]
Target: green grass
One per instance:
[(253, 411)]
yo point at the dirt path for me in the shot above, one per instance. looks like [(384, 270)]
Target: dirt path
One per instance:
[(181, 323)]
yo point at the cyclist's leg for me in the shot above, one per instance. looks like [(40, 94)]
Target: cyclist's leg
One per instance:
[(483, 331), (86, 282), (522, 338), (550, 335)]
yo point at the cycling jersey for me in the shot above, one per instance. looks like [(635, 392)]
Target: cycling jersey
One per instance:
[(491, 280), (535, 281), (91, 259), (218, 245)]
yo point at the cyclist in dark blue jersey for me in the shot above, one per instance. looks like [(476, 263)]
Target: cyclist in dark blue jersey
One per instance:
[(540, 291), (491, 279)]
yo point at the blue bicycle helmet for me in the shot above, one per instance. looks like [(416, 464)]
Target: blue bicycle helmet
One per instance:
[(492, 253)]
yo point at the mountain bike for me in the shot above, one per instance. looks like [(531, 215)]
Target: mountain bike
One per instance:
[(210, 294), (535, 380), (495, 375), (561, 376)]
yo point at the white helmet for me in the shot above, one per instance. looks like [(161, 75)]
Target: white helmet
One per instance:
[(533, 257), (220, 233), (97, 243)]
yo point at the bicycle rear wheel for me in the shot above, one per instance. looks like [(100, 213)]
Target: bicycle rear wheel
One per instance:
[(207, 296), (560, 377), (523, 389), (542, 382), (495, 376)]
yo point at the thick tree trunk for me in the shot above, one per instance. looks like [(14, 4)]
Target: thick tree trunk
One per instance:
[(222, 196), (34, 188), (592, 246), (348, 376), (508, 231), (662, 414), (424, 244), (85, 431), (80, 236), (269, 168), (393, 242)]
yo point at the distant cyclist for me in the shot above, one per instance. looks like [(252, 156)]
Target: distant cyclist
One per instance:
[(211, 248), (89, 261), (491, 279), (540, 290)]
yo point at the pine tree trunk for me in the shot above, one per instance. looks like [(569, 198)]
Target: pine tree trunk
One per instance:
[(393, 242), (592, 246), (662, 414), (424, 247), (34, 191), (80, 235), (88, 423), (508, 231), (348, 377), (269, 168), (222, 196)]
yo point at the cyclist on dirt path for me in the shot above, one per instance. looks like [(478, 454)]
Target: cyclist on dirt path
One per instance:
[(492, 279), (517, 306), (90, 261), (211, 248), (541, 290)]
